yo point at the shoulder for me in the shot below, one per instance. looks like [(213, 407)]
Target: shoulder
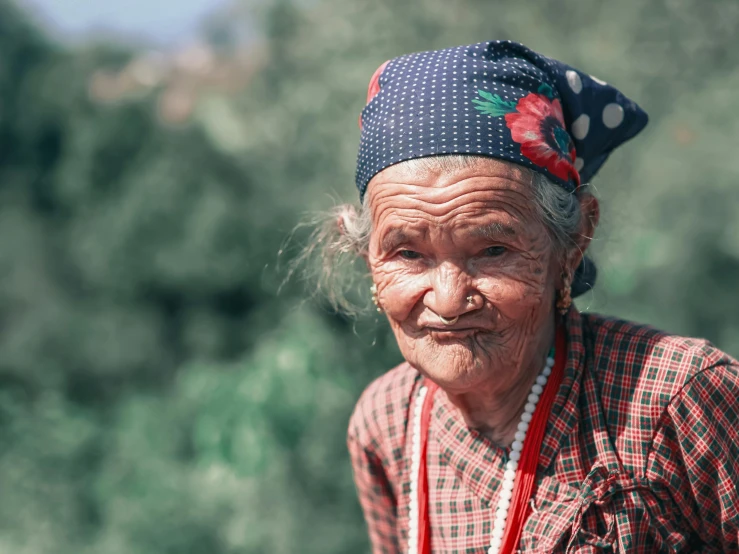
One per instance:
[(643, 374), (701, 426), (380, 417), (710, 395), (642, 358)]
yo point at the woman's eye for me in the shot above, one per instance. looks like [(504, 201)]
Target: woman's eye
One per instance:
[(494, 251), (409, 254)]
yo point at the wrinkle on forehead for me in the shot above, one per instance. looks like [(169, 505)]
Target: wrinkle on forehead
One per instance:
[(420, 169), (438, 196)]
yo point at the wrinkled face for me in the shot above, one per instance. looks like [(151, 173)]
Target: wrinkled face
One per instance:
[(466, 243)]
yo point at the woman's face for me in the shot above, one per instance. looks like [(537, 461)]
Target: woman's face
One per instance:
[(467, 243)]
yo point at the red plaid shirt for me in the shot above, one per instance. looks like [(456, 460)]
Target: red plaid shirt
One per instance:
[(641, 453)]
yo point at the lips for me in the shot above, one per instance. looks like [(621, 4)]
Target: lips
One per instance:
[(467, 324), (459, 326), (453, 332), (450, 328)]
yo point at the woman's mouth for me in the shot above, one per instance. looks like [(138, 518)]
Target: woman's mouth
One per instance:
[(442, 333)]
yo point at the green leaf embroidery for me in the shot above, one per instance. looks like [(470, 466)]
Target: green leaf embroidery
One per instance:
[(546, 90), (493, 104)]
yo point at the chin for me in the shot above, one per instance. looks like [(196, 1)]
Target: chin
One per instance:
[(455, 365)]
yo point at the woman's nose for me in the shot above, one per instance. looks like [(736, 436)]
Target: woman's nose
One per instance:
[(449, 292)]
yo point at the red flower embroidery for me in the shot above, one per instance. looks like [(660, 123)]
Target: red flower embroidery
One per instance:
[(538, 126), (374, 86)]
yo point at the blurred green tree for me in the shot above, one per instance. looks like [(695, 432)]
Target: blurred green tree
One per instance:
[(156, 394)]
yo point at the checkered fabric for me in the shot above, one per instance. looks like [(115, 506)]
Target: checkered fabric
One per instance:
[(641, 453)]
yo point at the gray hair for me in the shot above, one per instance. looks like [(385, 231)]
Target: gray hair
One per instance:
[(341, 236)]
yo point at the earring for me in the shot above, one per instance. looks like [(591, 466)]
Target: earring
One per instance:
[(375, 299), (565, 299)]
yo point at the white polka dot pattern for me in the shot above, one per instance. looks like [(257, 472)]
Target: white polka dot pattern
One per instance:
[(429, 103), (581, 126), (573, 79), (613, 115), (599, 81)]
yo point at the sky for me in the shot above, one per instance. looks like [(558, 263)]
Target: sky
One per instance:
[(163, 21)]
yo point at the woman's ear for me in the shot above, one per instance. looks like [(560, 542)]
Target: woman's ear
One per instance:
[(344, 219), (590, 210), (346, 216), (341, 224)]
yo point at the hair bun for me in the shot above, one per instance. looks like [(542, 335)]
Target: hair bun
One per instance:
[(584, 278)]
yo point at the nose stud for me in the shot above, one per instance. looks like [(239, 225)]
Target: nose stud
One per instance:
[(446, 321), (470, 300)]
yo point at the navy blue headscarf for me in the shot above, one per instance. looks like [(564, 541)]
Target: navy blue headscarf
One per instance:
[(496, 99)]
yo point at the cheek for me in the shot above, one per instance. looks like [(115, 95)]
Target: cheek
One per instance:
[(518, 287), (399, 290)]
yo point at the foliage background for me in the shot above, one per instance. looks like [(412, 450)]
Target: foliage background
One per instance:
[(157, 394)]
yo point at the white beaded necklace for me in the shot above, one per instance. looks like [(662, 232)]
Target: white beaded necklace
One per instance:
[(506, 492)]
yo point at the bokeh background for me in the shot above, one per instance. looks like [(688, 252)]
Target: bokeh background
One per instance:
[(159, 393)]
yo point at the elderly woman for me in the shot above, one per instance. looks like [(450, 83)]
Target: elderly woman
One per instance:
[(517, 423)]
